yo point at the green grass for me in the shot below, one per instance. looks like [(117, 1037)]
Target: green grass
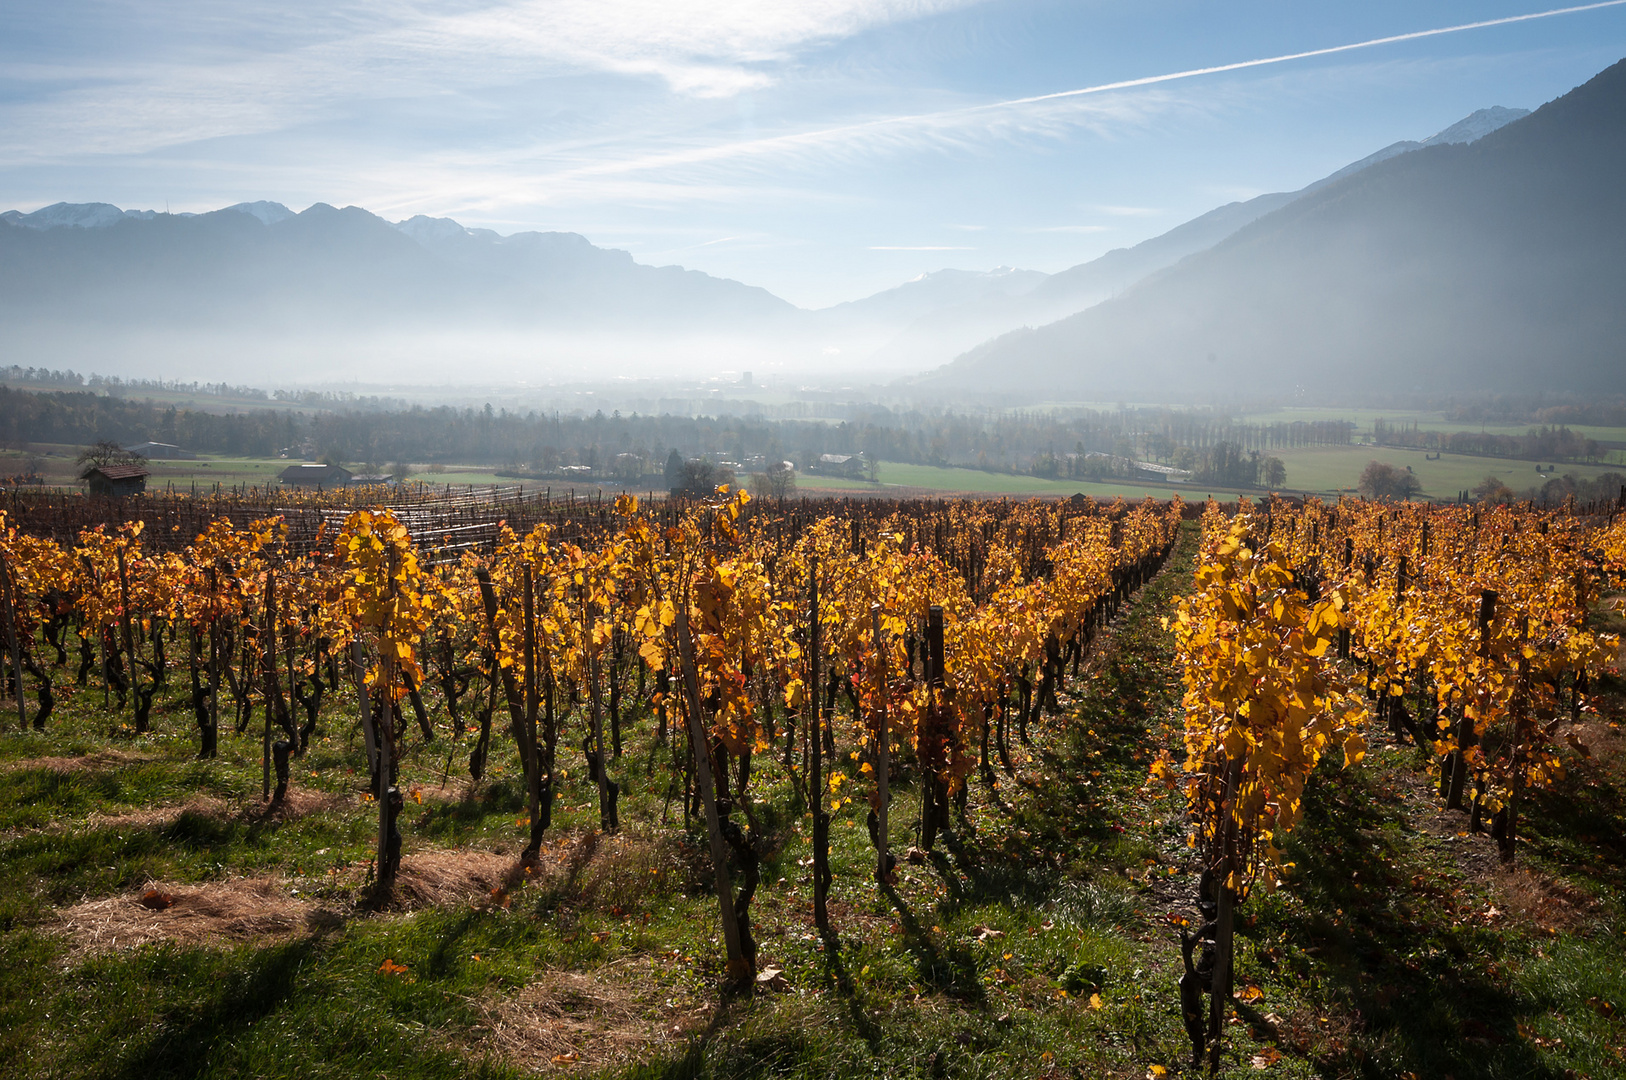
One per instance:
[(1328, 469), (1033, 941), (918, 478)]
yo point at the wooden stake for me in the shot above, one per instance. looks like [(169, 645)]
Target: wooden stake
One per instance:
[(738, 970), (883, 744)]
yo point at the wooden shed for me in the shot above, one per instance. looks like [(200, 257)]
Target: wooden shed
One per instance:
[(116, 481), (315, 474)]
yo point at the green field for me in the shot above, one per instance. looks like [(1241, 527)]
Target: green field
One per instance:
[(903, 478), (1330, 469)]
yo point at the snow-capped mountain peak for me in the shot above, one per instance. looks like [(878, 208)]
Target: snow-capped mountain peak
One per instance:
[(268, 213), (1476, 126)]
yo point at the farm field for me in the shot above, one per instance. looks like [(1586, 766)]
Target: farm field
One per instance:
[(926, 478), (158, 916), (1364, 419), (1329, 469), (1315, 470)]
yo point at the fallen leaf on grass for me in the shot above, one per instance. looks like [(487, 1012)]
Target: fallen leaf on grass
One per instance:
[(156, 900)]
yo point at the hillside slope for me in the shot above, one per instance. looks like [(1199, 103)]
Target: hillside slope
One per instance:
[(1495, 264)]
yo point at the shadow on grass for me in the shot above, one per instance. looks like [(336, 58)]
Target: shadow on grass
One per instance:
[(1411, 983), (184, 1045), (952, 971)]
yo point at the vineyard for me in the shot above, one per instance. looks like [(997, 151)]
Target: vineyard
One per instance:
[(508, 783)]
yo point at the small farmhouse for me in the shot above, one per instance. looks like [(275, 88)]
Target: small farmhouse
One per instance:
[(315, 474), (842, 465), (116, 481)]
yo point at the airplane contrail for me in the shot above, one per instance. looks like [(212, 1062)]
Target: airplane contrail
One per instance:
[(1330, 50), (753, 147)]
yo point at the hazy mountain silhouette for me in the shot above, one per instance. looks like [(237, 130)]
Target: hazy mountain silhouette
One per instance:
[(259, 264), (1492, 264), (937, 336), (274, 297), (328, 291)]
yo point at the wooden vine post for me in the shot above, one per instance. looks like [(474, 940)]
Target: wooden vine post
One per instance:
[(738, 969), (883, 747), (933, 792), (128, 635), (14, 639), (815, 759), (528, 748)]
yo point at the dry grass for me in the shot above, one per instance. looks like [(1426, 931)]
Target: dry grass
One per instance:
[(222, 912), (102, 759), (158, 817), (296, 804), (443, 878), (1538, 899), (573, 1020)]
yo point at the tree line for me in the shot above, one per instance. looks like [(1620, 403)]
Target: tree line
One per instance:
[(632, 447), (1544, 443)]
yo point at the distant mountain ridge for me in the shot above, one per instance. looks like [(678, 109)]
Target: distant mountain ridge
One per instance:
[(326, 281), (943, 335), (260, 261), (1494, 263)]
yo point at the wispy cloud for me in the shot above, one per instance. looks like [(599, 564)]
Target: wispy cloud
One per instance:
[(389, 50), (1069, 229), (1127, 211), (1035, 114), (917, 247)]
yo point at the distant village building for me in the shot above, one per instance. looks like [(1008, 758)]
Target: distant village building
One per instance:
[(161, 451), (851, 465), (116, 481), (1167, 472), (315, 474)]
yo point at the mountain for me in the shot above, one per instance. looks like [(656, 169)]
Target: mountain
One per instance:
[(63, 215), (1492, 264), (919, 324), (938, 336), (931, 293), (262, 262), (83, 284), (328, 289)]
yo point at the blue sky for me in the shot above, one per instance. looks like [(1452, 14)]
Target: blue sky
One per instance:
[(823, 150)]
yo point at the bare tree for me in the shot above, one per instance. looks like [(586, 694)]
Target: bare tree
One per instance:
[(778, 481), (1380, 481), (105, 452)]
